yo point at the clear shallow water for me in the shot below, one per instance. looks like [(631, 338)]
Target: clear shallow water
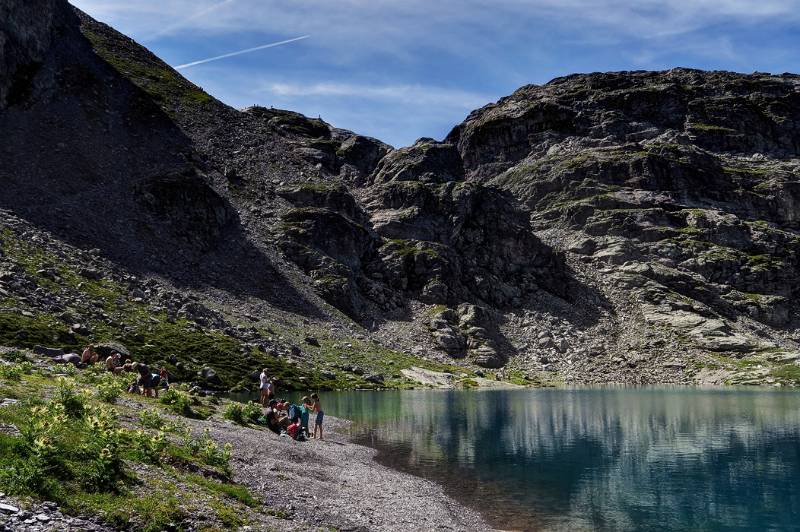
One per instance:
[(596, 458)]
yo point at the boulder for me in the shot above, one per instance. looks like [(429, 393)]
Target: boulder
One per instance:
[(451, 341), (105, 349), (48, 351), (210, 376), (90, 273), (310, 340), (487, 357), (375, 378)]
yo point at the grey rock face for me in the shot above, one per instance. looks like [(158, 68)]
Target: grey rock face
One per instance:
[(646, 213)]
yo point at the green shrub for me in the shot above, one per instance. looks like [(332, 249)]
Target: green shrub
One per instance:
[(150, 419), (178, 401), (147, 447), (110, 388), (57, 446), (93, 374), (73, 402), (15, 356), (11, 372), (206, 449), (103, 465), (242, 413)]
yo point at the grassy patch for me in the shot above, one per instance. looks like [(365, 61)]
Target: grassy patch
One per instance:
[(234, 491), (699, 126), (763, 262), (157, 79), (74, 451), (155, 511), (787, 373), (404, 248)]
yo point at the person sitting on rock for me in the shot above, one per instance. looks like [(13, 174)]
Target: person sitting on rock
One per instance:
[(89, 355), (112, 362), (273, 420), (281, 408)]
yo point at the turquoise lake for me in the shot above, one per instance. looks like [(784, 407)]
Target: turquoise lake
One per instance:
[(596, 458)]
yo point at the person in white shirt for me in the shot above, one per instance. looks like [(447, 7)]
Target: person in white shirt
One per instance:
[(264, 387)]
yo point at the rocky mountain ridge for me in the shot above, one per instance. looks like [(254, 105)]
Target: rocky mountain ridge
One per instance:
[(619, 227)]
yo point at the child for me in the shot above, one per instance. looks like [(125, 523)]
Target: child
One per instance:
[(305, 410), (317, 407), (164, 377)]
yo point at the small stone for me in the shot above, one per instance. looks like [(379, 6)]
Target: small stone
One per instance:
[(7, 508)]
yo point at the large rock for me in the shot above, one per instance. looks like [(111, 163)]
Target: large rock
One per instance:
[(48, 351), (105, 349)]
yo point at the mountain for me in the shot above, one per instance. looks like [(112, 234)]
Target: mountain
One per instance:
[(620, 227)]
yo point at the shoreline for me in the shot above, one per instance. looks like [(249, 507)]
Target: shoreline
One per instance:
[(336, 483)]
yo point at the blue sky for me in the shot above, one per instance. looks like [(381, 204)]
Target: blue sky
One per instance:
[(402, 69)]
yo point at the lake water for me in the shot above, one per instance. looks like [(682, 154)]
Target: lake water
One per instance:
[(596, 458)]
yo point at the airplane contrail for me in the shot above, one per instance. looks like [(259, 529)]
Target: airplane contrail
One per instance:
[(240, 52), (171, 27)]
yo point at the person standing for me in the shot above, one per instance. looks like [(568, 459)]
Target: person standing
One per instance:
[(317, 408), (270, 390), (264, 387)]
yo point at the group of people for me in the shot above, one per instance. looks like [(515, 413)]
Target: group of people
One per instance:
[(285, 418), (281, 417), (146, 382)]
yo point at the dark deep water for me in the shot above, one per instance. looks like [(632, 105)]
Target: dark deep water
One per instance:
[(596, 458)]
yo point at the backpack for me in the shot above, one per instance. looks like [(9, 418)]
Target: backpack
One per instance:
[(296, 432), (294, 413)]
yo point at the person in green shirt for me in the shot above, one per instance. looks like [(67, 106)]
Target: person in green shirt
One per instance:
[(305, 410)]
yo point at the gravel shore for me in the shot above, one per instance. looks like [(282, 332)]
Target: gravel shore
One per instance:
[(336, 484)]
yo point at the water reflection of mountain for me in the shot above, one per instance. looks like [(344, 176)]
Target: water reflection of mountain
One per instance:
[(602, 458)]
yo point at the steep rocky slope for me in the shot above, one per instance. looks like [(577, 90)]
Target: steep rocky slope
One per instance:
[(636, 226), (674, 192)]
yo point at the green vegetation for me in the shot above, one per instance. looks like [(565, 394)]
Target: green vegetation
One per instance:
[(752, 296), (745, 171), (789, 373), (178, 401), (335, 354), (763, 262), (242, 413), (412, 247), (151, 336), (73, 448), (468, 383), (110, 388), (182, 346), (157, 79), (320, 187), (699, 126)]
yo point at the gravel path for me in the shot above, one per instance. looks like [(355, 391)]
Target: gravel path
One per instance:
[(335, 483)]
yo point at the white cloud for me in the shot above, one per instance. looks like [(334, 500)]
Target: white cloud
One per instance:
[(401, 57), (406, 20), (418, 95)]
